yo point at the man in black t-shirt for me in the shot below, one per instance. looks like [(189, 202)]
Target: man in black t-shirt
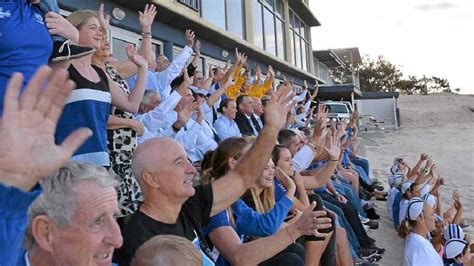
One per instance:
[(172, 205)]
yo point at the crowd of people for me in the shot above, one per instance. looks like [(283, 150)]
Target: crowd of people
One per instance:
[(149, 162), (433, 236)]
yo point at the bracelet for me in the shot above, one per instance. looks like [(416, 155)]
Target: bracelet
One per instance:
[(146, 34), (333, 160), (424, 170), (313, 147), (175, 128), (288, 232)]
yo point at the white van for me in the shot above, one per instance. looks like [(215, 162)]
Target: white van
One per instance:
[(338, 110)]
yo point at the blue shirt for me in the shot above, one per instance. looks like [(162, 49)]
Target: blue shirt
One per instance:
[(218, 220), (25, 43), (14, 205), (226, 128)]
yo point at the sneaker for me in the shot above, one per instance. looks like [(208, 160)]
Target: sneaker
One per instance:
[(372, 225), (366, 227), (364, 253), (67, 50), (371, 214), (363, 220), (379, 251)]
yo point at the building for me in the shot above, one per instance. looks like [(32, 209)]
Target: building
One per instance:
[(270, 32)]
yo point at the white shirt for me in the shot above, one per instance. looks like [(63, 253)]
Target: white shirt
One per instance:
[(161, 81), (403, 209), (226, 128), (420, 252), (255, 132), (259, 121), (155, 119), (390, 199), (303, 158)]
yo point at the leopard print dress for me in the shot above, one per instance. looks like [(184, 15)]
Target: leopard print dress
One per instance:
[(121, 144)]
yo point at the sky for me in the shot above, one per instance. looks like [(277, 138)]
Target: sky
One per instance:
[(430, 37)]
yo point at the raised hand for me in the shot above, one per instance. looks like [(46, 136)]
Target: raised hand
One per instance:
[(197, 48), (28, 152), (135, 58), (285, 181), (104, 20), (309, 221), (278, 107), (189, 38), (333, 148), (147, 17), (271, 72), (210, 72), (184, 113), (58, 25), (424, 157)]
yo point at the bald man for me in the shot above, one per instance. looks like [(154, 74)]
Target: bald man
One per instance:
[(172, 206)]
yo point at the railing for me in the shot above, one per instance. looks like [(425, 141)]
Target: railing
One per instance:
[(322, 72)]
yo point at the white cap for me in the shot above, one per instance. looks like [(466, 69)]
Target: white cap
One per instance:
[(397, 181), (430, 199), (454, 248), (406, 185), (414, 209), (453, 231)]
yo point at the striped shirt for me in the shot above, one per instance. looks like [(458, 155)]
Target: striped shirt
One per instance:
[(87, 106)]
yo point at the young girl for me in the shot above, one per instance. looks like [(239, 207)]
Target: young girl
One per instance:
[(418, 223)]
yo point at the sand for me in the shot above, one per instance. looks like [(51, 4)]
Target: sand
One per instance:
[(442, 126)]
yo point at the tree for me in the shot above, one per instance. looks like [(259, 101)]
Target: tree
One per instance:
[(382, 75)]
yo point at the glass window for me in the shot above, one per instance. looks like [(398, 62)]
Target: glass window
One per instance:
[(235, 15), (304, 55), (280, 38), (269, 24), (297, 51), (257, 24), (214, 12), (292, 48), (270, 3), (120, 49), (279, 8), (292, 22)]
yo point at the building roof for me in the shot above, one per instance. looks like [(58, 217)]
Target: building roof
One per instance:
[(338, 92), (329, 58), (379, 95), (349, 55), (304, 12)]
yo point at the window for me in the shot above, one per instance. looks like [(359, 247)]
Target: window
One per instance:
[(300, 44), (235, 16), (194, 4), (214, 12), (269, 24), (271, 35), (225, 14)]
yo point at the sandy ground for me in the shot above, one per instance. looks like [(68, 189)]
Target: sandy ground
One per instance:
[(440, 125)]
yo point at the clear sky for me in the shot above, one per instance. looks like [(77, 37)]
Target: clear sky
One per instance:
[(430, 37)]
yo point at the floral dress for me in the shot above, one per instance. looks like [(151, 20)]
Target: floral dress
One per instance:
[(121, 144)]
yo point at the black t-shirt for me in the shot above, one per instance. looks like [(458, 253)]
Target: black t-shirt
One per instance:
[(194, 214)]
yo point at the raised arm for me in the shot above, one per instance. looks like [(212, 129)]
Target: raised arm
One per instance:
[(313, 182), (28, 152), (231, 186), (146, 19), (414, 171), (131, 102)]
